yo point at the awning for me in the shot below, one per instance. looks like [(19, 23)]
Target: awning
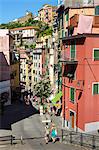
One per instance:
[(57, 97)]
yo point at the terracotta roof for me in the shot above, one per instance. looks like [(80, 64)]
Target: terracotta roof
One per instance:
[(25, 28)]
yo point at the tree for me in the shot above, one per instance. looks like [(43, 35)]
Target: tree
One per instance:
[(43, 89)]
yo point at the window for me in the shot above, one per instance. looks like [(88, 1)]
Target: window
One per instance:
[(72, 94), (33, 71), (97, 10), (39, 64), (73, 50), (62, 33), (34, 79), (95, 88), (96, 54)]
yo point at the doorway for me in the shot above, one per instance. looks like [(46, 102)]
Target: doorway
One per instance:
[(72, 120)]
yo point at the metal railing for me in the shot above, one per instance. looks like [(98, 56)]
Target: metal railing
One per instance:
[(82, 139), (66, 136), (5, 139)]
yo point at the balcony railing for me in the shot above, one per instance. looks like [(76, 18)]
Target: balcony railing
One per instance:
[(66, 57)]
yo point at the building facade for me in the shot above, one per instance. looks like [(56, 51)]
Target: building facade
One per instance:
[(47, 14), (80, 82), (6, 41), (24, 36), (79, 58)]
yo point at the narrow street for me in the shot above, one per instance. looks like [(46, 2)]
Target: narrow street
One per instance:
[(30, 127)]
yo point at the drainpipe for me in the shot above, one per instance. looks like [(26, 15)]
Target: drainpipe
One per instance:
[(77, 117)]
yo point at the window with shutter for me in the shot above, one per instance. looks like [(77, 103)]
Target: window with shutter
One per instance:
[(72, 94), (97, 10), (67, 17), (73, 51), (95, 88), (96, 54)]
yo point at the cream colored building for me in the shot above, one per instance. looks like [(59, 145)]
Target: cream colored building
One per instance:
[(24, 35)]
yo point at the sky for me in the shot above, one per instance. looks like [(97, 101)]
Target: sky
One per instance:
[(12, 9)]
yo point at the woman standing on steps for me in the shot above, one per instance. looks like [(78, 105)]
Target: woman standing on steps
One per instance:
[(53, 133)]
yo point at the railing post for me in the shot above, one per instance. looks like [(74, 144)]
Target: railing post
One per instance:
[(70, 137), (81, 139), (62, 135), (11, 140), (93, 142), (21, 140)]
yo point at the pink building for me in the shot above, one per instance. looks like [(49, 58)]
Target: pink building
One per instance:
[(80, 81), (5, 47)]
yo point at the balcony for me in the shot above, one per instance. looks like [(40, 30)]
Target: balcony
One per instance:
[(37, 51), (68, 58)]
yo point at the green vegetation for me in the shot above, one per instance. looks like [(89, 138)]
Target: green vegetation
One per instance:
[(32, 46), (43, 88), (43, 28)]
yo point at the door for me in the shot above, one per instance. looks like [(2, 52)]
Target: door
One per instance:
[(71, 119)]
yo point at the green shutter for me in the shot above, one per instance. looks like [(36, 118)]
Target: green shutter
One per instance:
[(96, 54), (72, 94), (62, 33), (97, 10), (95, 89), (67, 17), (73, 51)]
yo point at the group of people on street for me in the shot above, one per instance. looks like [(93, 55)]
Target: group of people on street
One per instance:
[(50, 133)]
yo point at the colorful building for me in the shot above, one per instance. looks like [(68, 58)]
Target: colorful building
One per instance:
[(47, 14), (26, 72), (6, 45), (78, 43)]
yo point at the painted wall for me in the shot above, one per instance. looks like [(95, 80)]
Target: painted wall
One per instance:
[(85, 105), (5, 63)]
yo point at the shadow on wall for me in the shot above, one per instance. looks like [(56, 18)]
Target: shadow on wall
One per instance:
[(14, 113), (4, 68)]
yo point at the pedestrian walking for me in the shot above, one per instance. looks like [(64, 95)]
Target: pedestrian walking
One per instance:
[(53, 133), (47, 132)]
